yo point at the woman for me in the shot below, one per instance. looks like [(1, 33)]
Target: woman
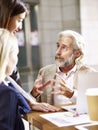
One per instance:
[(12, 14), (12, 104)]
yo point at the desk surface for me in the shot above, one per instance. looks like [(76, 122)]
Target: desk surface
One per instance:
[(41, 123)]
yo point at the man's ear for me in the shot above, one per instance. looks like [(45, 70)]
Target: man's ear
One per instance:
[(77, 53)]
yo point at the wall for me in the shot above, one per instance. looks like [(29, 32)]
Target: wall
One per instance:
[(89, 29), (53, 17)]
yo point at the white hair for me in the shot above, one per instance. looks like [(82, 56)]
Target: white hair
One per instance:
[(78, 42), (8, 42)]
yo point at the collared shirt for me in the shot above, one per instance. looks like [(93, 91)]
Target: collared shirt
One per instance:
[(69, 80)]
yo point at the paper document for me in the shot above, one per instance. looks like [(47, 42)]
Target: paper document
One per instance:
[(61, 119), (90, 126)]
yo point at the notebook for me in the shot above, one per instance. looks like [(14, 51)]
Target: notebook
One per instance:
[(85, 81)]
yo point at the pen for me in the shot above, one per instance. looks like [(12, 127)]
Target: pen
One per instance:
[(71, 113)]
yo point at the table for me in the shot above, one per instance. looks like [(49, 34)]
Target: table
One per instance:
[(34, 118)]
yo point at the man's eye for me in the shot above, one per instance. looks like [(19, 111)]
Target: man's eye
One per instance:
[(63, 47)]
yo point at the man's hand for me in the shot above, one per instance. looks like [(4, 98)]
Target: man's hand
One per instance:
[(61, 87), (38, 86)]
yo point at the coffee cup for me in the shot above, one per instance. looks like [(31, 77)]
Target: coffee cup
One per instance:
[(92, 103)]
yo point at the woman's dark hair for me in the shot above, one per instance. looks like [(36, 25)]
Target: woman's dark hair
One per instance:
[(10, 8), (19, 8)]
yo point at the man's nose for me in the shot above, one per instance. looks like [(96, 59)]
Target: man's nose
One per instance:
[(58, 52)]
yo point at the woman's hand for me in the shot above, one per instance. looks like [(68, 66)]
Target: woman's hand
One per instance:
[(45, 107)]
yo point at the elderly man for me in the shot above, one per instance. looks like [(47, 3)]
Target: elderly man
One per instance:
[(63, 74)]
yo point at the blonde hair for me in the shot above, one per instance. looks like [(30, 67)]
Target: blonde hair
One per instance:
[(8, 42), (78, 43)]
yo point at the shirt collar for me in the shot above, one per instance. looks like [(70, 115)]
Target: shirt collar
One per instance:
[(73, 70)]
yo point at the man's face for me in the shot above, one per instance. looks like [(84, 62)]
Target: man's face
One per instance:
[(65, 52)]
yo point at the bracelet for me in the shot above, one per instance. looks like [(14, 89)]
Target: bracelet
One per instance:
[(32, 93)]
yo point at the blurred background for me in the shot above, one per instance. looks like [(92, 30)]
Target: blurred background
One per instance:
[(37, 39)]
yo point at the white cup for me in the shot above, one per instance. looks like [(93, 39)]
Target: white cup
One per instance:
[(92, 102)]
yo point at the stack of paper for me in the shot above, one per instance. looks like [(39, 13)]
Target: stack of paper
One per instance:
[(61, 119)]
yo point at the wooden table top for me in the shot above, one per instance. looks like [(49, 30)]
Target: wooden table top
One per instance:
[(36, 120)]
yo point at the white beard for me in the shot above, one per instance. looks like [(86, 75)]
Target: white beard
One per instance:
[(65, 63)]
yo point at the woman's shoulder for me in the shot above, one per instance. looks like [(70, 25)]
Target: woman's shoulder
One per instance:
[(6, 89), (7, 95)]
